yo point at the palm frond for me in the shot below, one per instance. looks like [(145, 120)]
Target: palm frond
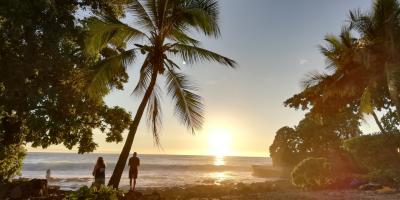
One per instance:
[(336, 50), (105, 70), (151, 6), (362, 23), (366, 102), (346, 38), (188, 106), (144, 78), (142, 16), (154, 115), (180, 36), (203, 15), (162, 7), (313, 78), (200, 15), (105, 30), (170, 64), (193, 54)]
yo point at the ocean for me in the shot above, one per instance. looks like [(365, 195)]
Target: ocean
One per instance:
[(71, 171)]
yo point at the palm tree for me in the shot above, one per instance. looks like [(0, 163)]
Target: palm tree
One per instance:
[(349, 82), (165, 33), (365, 69), (352, 80), (380, 32)]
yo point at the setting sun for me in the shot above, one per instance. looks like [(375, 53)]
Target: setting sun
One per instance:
[(219, 142)]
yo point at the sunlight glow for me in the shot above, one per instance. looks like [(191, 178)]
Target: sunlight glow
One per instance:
[(219, 143), (219, 160), (219, 177)]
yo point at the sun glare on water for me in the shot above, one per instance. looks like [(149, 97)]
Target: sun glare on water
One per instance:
[(219, 143)]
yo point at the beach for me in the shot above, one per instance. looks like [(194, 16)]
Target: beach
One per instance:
[(271, 190), (71, 171), (184, 177)]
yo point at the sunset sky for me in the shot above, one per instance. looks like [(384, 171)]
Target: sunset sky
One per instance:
[(275, 44)]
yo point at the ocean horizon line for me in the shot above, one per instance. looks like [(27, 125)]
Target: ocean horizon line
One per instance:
[(147, 154)]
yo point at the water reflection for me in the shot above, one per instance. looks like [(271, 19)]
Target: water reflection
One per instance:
[(219, 177), (219, 160)]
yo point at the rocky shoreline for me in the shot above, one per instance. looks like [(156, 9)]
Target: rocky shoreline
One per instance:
[(38, 189)]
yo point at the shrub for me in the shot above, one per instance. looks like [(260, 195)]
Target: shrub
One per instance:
[(342, 162), (312, 173), (385, 176), (284, 150), (375, 152), (102, 193)]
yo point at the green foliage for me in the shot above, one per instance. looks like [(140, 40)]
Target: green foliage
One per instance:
[(315, 135), (284, 151), (112, 7), (362, 69), (312, 173), (12, 152), (375, 152), (93, 193), (362, 75), (385, 176), (43, 76), (390, 121), (11, 157)]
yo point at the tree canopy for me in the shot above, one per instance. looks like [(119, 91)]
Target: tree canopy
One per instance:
[(43, 77), (361, 77), (313, 136)]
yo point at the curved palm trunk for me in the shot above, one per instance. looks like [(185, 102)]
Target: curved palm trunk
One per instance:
[(378, 122), (123, 157)]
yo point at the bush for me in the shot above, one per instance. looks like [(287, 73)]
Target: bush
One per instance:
[(375, 152), (11, 157), (102, 193), (284, 150), (312, 173), (386, 176)]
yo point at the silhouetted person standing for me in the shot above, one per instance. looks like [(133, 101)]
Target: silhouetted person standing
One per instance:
[(134, 162), (99, 172), (48, 175)]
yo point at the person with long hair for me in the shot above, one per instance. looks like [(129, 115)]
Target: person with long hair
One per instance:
[(99, 172)]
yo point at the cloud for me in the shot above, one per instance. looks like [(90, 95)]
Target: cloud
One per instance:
[(303, 61)]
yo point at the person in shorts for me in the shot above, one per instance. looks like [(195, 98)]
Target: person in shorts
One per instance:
[(134, 162)]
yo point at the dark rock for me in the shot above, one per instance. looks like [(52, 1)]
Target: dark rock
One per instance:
[(356, 183), (24, 189), (4, 188), (342, 182), (16, 192), (38, 187), (134, 195), (370, 186), (153, 196), (53, 189)]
